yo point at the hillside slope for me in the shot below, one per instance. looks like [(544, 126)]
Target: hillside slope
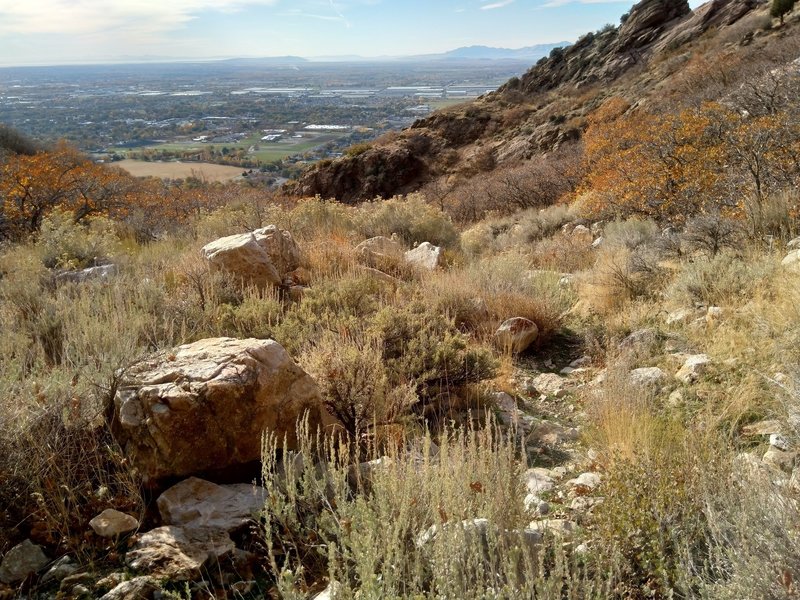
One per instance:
[(662, 55)]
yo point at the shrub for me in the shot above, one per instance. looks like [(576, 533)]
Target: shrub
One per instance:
[(66, 244), (400, 526), (412, 218)]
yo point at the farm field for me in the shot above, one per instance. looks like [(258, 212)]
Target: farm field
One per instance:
[(180, 170)]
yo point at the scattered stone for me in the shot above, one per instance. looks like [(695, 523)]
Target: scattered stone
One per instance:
[(425, 256), (21, 561), (793, 244), (516, 335), (763, 428), (778, 441), (111, 523), (585, 482), (138, 588), (694, 366), (583, 234), (178, 554), (565, 281), (379, 248), (683, 315), (584, 503), (538, 480), (100, 272), (648, 377), (223, 391), (559, 527), (548, 384), (196, 503), (80, 591), (597, 243), (331, 592), (507, 407), (536, 506), (641, 339), (714, 314), (262, 258), (109, 582), (552, 434), (60, 569)]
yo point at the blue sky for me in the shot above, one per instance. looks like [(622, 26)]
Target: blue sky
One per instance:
[(68, 31)]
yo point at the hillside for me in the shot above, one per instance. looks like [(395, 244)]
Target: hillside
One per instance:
[(662, 55), (573, 375)]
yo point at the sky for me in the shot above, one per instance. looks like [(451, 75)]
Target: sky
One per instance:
[(91, 31)]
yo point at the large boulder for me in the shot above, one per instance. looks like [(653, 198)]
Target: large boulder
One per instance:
[(264, 257), (379, 248), (204, 406)]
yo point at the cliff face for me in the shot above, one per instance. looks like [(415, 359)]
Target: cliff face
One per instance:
[(531, 115)]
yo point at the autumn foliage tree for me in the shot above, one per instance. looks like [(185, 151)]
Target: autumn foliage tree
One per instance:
[(707, 160)]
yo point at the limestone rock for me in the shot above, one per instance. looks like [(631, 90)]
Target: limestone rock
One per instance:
[(177, 554), (793, 244), (21, 561), (640, 340), (111, 523), (694, 366), (582, 234), (138, 588), (538, 480), (792, 260), (559, 527), (204, 406), (763, 428), (99, 272), (516, 335), (194, 503), (425, 256), (785, 461), (549, 384), (585, 482), (648, 377), (263, 257), (776, 440), (552, 434)]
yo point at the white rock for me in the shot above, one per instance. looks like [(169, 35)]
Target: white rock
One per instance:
[(587, 481), (22, 560), (263, 257), (194, 503), (222, 391), (694, 366), (111, 523), (425, 256), (778, 441), (548, 384), (792, 260), (559, 527), (100, 272), (598, 242), (649, 377), (793, 244), (538, 480)]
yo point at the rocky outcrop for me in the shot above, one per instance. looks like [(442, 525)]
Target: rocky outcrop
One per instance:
[(504, 127), (203, 406), (264, 257), (425, 256), (380, 172)]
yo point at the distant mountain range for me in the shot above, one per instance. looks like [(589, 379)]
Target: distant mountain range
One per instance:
[(488, 53)]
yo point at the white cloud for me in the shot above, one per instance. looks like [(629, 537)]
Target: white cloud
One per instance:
[(80, 17), (557, 3), (495, 5)]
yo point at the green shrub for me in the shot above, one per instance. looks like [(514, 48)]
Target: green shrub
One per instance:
[(69, 245), (411, 217)]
